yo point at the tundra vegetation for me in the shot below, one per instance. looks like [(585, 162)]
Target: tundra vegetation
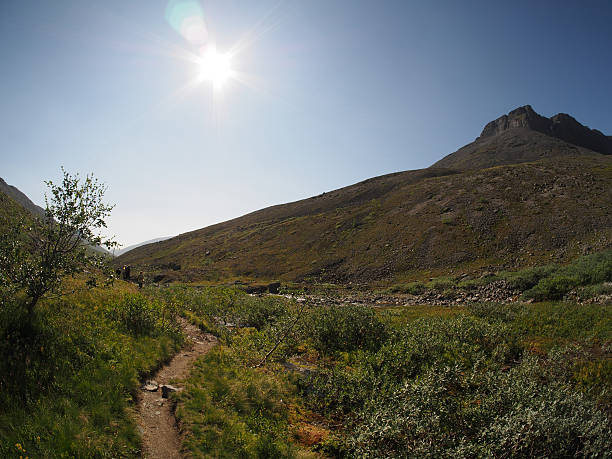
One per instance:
[(291, 378)]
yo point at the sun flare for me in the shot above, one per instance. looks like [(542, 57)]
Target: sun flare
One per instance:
[(215, 67)]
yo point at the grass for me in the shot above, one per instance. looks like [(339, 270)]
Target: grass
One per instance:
[(70, 375), (229, 410)]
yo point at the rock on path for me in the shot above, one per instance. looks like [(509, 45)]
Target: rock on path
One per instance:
[(156, 421)]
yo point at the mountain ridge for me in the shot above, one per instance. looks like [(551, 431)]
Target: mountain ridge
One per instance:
[(512, 198)]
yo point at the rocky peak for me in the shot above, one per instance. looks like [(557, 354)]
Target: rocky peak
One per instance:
[(561, 126), (522, 117)]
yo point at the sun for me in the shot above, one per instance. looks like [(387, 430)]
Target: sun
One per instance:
[(215, 67)]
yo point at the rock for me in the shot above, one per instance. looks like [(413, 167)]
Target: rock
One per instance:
[(167, 389), (151, 386)]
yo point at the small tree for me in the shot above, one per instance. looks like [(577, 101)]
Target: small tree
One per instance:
[(37, 253)]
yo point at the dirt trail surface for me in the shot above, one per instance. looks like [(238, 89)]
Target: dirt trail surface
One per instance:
[(156, 419)]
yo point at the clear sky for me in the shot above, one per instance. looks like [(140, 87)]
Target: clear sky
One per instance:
[(326, 93)]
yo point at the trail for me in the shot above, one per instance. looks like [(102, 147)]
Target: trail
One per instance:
[(156, 421)]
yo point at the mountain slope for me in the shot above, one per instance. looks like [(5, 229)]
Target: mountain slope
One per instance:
[(20, 198), (535, 198)]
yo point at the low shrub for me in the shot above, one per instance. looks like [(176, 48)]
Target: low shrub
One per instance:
[(142, 316), (412, 288), (528, 278), (441, 283), (452, 411), (344, 328), (552, 288)]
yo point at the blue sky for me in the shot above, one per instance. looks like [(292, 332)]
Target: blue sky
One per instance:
[(338, 91)]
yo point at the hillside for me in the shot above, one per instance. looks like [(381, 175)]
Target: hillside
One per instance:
[(514, 197), (17, 196)]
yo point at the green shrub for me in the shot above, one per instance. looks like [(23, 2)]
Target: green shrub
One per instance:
[(441, 283), (344, 328), (553, 282), (258, 312), (453, 411), (552, 288), (71, 376), (407, 354), (590, 291), (528, 278), (142, 316), (135, 314), (412, 288)]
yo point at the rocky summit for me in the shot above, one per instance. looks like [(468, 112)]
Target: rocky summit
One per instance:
[(561, 126)]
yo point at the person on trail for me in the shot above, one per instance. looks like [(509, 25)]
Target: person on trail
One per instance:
[(140, 279), (126, 272)]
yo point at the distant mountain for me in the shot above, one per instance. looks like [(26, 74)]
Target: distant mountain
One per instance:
[(521, 194), (131, 247), (20, 198)]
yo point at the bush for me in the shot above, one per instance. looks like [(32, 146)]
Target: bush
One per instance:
[(453, 412), (441, 283), (141, 316), (407, 354), (552, 288), (412, 288), (344, 328), (527, 278), (258, 312)]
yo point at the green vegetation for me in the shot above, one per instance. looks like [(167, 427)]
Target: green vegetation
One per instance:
[(36, 253), (71, 362), (294, 379), (69, 374), (423, 381), (590, 275)]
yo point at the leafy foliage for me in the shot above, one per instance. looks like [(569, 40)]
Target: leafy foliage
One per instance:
[(36, 254), (142, 316), (344, 328)]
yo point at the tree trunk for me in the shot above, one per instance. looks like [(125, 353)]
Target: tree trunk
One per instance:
[(32, 304)]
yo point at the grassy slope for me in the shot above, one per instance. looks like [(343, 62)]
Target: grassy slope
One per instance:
[(407, 225)]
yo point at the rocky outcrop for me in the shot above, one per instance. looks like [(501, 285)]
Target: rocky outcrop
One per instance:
[(561, 126)]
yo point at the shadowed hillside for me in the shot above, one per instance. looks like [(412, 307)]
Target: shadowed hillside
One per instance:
[(514, 197), (20, 198)]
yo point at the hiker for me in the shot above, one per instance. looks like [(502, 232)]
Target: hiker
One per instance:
[(140, 279), (126, 272)]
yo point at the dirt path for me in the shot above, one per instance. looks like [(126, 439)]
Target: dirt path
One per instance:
[(156, 419)]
